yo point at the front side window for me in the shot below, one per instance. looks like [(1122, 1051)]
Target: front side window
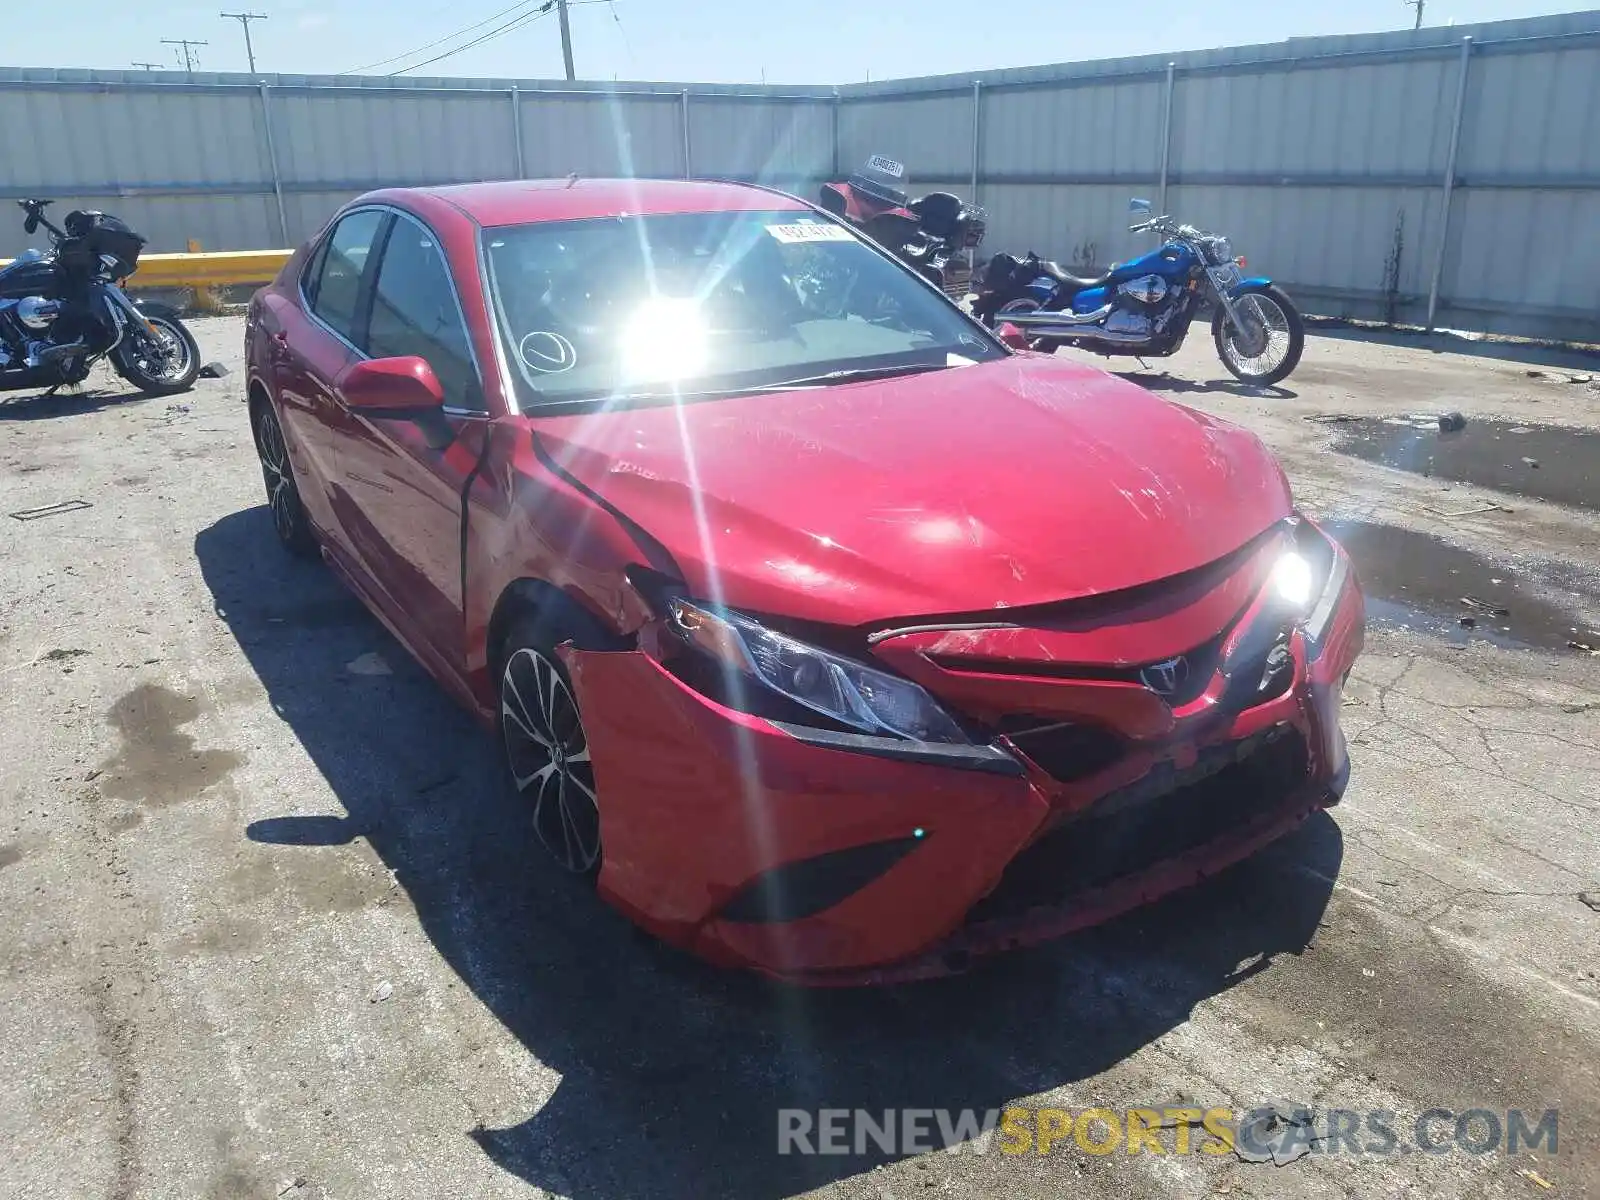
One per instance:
[(701, 303), (311, 273), (414, 312), (337, 291)]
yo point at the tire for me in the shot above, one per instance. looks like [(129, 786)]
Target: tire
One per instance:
[(543, 745), (289, 519), (1025, 305), (161, 376), (1271, 369)]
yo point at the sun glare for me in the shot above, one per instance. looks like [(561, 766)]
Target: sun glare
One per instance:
[(664, 341)]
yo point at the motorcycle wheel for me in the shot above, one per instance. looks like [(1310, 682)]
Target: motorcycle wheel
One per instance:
[(1270, 345), (160, 371), (1041, 345)]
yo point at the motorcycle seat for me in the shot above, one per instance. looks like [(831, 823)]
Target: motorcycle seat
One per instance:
[(1080, 283)]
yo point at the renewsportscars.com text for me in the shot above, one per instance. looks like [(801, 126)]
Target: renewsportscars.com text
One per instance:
[(1267, 1132)]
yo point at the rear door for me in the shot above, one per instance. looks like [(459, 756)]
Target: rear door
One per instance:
[(311, 346), (403, 477)]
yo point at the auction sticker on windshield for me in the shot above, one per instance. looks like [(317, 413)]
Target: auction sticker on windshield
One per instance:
[(814, 231)]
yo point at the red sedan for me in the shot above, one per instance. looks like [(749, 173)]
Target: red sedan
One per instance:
[(830, 636)]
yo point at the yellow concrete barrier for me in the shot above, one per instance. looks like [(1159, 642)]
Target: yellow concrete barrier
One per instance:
[(215, 269)]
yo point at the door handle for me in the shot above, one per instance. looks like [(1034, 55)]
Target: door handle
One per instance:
[(281, 338)]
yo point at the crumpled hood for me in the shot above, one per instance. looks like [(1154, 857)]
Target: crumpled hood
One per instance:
[(1011, 483)]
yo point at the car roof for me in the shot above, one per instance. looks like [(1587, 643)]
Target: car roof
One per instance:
[(520, 201)]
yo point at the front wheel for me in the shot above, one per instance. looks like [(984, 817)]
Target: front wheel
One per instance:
[(163, 364), (546, 749), (1269, 344)]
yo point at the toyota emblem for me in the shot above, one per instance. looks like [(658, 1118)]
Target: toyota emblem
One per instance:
[(1166, 677)]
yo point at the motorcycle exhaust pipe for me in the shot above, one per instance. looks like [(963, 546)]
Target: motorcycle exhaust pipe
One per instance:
[(1040, 321), (1088, 339)]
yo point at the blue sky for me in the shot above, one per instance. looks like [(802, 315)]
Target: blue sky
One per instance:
[(815, 41)]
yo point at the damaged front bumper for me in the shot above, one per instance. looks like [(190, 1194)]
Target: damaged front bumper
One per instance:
[(820, 862)]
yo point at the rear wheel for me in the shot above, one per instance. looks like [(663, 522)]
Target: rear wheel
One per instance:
[(1267, 344), (283, 495), (1042, 345)]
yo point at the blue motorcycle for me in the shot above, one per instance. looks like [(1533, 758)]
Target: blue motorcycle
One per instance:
[(1143, 308)]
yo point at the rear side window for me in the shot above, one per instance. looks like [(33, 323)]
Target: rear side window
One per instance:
[(335, 291), (414, 311)]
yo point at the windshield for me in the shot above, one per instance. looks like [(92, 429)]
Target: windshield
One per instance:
[(709, 303)]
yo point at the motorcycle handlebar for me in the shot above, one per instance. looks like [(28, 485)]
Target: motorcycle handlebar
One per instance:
[(35, 210), (1168, 226)]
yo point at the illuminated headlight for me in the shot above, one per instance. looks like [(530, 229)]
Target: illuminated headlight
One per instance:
[(1293, 580), (1310, 579), (841, 689)]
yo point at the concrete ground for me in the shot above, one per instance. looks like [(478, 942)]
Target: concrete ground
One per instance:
[(270, 930)]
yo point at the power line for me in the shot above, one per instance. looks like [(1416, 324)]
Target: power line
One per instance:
[(188, 59), (526, 16), (244, 19), (148, 66), (626, 44), (439, 41), (515, 23)]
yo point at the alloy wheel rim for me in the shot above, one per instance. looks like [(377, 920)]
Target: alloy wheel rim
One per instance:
[(549, 757), (275, 472), (170, 361), (1273, 338)]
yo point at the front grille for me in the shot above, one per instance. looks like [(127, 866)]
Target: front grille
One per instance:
[(1197, 667), (1064, 751), (1158, 818)]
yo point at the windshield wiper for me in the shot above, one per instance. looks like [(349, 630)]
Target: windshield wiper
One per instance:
[(827, 379), (851, 374)]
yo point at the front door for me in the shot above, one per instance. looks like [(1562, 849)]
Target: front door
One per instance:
[(401, 479)]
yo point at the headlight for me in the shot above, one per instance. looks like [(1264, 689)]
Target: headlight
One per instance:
[(1221, 251), (854, 695), (1293, 581), (1310, 579)]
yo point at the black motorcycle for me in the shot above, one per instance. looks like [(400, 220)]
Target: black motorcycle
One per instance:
[(63, 311)]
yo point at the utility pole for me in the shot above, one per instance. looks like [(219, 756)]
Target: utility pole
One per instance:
[(1419, 5), (566, 38), (188, 59), (150, 66), (244, 19)]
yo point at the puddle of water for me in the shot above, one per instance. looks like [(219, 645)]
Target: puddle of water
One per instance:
[(1419, 582), (1492, 454)]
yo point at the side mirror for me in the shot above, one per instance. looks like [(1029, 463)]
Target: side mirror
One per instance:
[(31, 225), (397, 387), (1140, 208), (1012, 336)]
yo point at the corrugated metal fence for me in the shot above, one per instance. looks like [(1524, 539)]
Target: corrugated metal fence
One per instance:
[(1451, 172)]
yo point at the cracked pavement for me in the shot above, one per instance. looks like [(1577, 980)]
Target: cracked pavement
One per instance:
[(270, 932)]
